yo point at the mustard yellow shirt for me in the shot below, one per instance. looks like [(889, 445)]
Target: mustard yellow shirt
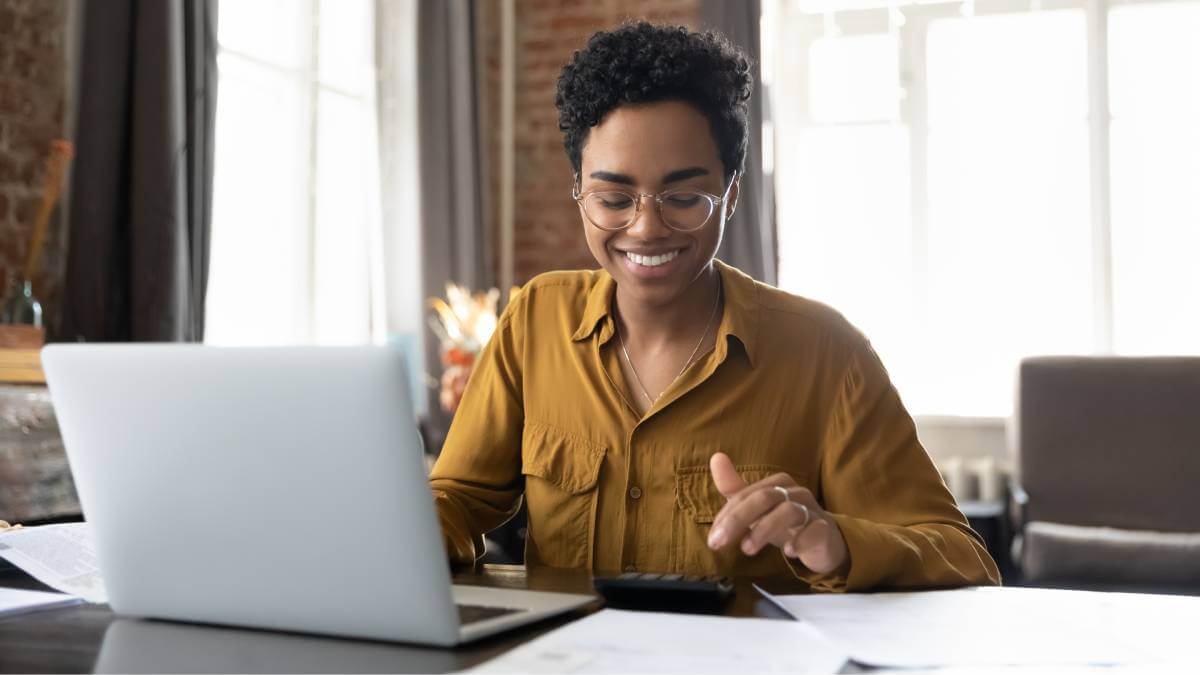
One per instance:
[(790, 386)]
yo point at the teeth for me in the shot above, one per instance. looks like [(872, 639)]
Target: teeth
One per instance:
[(652, 260)]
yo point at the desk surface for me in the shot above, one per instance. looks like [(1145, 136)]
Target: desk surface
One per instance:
[(71, 639)]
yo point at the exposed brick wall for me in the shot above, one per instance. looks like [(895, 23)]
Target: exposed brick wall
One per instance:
[(33, 75), (547, 230)]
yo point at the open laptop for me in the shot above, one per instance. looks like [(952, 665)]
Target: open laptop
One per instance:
[(280, 488)]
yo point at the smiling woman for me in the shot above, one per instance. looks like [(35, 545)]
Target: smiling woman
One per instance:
[(669, 413)]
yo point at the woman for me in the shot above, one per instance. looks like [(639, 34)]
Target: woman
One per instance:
[(669, 413)]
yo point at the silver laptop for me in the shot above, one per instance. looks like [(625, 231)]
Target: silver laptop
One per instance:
[(280, 488)]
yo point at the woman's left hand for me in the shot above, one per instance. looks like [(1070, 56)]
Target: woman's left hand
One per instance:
[(775, 511)]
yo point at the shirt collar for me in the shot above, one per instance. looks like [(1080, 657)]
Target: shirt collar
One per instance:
[(740, 319)]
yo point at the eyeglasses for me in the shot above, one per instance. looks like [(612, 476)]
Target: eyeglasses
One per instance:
[(681, 209)]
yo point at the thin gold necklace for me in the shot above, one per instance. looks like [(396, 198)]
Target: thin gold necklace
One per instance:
[(638, 378)]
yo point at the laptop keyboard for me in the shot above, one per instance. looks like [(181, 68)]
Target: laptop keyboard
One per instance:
[(472, 613)]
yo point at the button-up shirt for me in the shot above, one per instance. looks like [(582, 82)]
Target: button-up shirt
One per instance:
[(790, 386)]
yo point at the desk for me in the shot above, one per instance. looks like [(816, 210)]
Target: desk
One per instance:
[(71, 639)]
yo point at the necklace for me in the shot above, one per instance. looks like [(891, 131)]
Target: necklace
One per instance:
[(638, 378)]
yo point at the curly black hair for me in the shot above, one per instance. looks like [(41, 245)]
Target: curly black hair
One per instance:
[(642, 63)]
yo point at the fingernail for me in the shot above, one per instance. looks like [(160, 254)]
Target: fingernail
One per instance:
[(788, 550), (748, 547), (716, 538)]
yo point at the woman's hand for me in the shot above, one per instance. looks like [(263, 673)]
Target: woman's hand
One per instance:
[(760, 514)]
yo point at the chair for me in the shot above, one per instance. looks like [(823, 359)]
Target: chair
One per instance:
[(1108, 472)]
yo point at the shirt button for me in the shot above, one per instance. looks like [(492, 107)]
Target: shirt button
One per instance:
[(635, 492), (630, 568)]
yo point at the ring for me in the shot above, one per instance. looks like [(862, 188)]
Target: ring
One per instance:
[(787, 498)]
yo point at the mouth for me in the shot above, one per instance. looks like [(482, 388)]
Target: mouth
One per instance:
[(652, 260), (652, 264)]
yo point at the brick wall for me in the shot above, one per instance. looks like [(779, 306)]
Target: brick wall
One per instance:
[(33, 77), (547, 230)]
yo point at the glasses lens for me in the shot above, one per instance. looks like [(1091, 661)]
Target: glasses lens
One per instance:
[(610, 210), (686, 210)]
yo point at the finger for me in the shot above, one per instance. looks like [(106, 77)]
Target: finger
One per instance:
[(725, 477), (737, 517), (813, 547), (774, 480), (775, 528), (780, 479)]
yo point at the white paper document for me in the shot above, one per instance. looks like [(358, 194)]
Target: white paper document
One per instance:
[(60, 556), (17, 601), (618, 641), (984, 627)]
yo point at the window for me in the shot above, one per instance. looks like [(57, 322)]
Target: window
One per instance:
[(948, 176), (296, 229)]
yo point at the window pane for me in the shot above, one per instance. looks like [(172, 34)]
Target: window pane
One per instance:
[(257, 288), (341, 274), (1154, 90), (844, 230), (1009, 233), (274, 31), (854, 79), (347, 45)]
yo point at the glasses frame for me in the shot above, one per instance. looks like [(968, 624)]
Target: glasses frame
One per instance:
[(658, 197)]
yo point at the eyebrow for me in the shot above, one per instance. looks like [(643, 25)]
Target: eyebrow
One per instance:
[(673, 177)]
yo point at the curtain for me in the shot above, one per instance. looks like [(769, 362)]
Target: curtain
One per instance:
[(137, 267), (749, 243), (455, 241)]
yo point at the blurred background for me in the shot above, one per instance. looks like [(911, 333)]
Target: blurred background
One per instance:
[(972, 183)]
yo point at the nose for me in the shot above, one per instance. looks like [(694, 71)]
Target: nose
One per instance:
[(648, 223)]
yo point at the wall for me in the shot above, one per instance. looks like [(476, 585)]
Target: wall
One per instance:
[(547, 232), (33, 85)]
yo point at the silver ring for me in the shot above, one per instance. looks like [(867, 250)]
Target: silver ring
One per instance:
[(807, 515)]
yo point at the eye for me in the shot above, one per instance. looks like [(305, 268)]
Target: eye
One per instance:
[(683, 200), (614, 200)]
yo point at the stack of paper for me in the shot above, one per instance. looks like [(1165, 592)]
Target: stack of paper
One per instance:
[(615, 641), (1002, 626), (15, 601)]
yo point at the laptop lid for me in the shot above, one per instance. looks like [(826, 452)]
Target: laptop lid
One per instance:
[(269, 487)]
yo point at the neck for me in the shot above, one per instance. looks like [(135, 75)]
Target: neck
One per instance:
[(656, 326)]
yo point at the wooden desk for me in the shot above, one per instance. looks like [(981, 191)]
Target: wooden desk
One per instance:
[(72, 639)]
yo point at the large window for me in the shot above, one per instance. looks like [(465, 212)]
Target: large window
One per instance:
[(296, 213), (975, 182)]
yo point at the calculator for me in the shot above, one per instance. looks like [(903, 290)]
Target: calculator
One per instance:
[(665, 592)]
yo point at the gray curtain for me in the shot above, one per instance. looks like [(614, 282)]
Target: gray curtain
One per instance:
[(453, 180), (750, 239), (142, 182)]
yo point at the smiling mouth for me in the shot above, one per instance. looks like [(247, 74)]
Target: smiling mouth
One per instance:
[(652, 260)]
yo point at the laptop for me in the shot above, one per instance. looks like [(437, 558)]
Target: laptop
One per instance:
[(281, 488)]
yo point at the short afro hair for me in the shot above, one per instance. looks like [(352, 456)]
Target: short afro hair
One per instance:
[(644, 63)]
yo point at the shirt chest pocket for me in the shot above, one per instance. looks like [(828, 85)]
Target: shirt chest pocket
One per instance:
[(697, 502), (561, 473)]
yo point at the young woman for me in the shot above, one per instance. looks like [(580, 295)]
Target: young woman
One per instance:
[(667, 413)]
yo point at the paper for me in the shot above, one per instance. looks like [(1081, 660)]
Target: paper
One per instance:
[(1001, 626), (60, 556), (617, 641), (17, 601)]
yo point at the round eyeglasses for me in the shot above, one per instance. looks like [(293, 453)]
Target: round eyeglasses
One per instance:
[(681, 209)]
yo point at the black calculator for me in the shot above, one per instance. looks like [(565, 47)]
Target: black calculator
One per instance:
[(665, 592)]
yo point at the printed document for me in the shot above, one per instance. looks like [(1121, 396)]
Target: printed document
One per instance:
[(982, 627), (60, 556), (618, 641)]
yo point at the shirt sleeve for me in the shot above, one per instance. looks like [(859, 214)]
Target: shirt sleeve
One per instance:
[(476, 481), (901, 525)]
